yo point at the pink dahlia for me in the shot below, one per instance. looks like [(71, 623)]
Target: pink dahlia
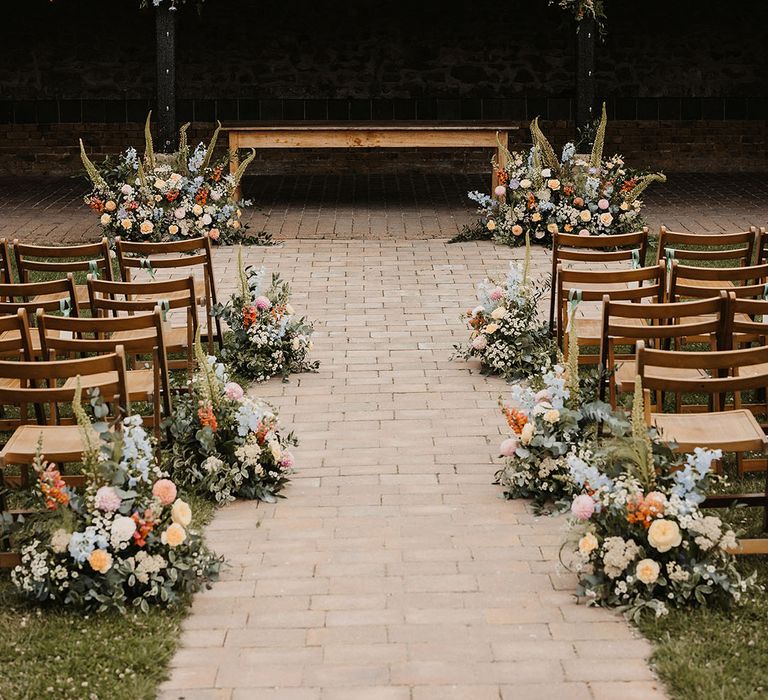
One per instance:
[(583, 507), (508, 447), (262, 303), (165, 491), (233, 391), (107, 499)]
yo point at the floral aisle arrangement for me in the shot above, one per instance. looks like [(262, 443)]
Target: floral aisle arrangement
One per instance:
[(552, 420), (507, 333), (640, 537), (541, 193), (168, 197), (225, 444), (126, 540), (581, 9), (266, 337)]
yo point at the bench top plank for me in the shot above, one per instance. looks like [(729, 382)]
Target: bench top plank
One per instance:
[(370, 126)]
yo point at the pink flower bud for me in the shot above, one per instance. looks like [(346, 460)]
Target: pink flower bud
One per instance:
[(583, 507), (233, 391), (500, 191), (508, 447)]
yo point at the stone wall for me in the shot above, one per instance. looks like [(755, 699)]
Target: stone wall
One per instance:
[(684, 80)]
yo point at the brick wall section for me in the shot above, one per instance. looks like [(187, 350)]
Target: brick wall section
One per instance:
[(676, 146)]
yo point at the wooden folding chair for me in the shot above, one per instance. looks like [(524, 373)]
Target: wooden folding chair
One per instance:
[(140, 334), (38, 383), (731, 431), (635, 285), (630, 248), (15, 344), (93, 258), (708, 248), (687, 282), (129, 298), (5, 263), (192, 253), (664, 326), (56, 296)]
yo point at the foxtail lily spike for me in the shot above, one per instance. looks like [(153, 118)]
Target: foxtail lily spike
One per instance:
[(245, 290), (183, 149), (243, 167), (573, 384), (149, 148), (211, 146), (90, 169), (545, 147), (90, 451), (597, 148), (640, 187), (641, 438), (527, 259)]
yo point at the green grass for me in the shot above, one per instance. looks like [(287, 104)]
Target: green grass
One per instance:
[(65, 655)]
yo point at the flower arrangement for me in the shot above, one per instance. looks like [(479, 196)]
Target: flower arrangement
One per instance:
[(126, 540), (508, 334), (168, 197), (224, 444), (552, 418), (640, 537), (174, 4), (265, 338), (541, 193)]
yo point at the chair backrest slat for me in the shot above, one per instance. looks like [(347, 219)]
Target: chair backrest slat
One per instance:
[(26, 296), (738, 247), (688, 282), (71, 258)]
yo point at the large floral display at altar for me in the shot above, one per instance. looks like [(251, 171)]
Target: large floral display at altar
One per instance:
[(168, 197), (540, 193)]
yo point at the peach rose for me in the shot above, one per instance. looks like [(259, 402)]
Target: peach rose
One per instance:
[(174, 535), (517, 230), (100, 560), (181, 513)]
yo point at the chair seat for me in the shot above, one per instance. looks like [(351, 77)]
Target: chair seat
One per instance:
[(708, 284), (626, 371), (61, 443), (175, 337), (731, 431), (590, 329), (141, 382), (200, 294), (81, 292)]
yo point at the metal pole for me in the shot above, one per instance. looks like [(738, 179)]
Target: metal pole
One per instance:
[(165, 25), (585, 72)]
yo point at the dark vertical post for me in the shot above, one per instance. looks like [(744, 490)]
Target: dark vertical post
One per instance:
[(585, 71), (165, 30)]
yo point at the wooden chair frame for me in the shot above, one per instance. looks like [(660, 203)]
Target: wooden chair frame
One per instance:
[(114, 298), (15, 343), (5, 263), (594, 249), (650, 283), (725, 366), (95, 257), (134, 255), (747, 281), (141, 334), (666, 324), (742, 254)]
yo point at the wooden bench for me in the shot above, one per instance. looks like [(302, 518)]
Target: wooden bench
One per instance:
[(391, 134)]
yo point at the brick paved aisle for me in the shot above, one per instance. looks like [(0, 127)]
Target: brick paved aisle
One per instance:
[(393, 570)]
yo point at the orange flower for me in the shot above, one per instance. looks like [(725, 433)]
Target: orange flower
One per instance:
[(568, 190), (144, 525), (216, 174), (531, 201), (171, 195), (202, 196), (96, 204), (644, 510), (250, 313), (628, 185), (502, 176), (515, 419), (52, 487), (207, 417)]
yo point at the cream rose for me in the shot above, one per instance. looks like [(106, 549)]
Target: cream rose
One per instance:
[(536, 216), (606, 219), (552, 228), (173, 229), (274, 448), (146, 227), (491, 328), (526, 435), (197, 210), (552, 416), (498, 313), (491, 225), (587, 544), (105, 219), (181, 513), (663, 535), (110, 205), (525, 184), (647, 571), (126, 224), (585, 215), (553, 185)]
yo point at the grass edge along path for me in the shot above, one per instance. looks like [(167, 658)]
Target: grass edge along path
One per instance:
[(64, 654)]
